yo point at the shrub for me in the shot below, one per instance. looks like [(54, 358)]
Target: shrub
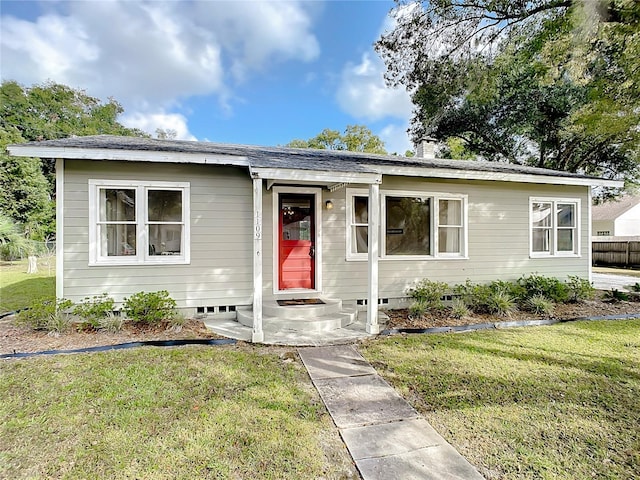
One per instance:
[(615, 295), (501, 303), (47, 314), (549, 287), (579, 289), (418, 309), (459, 309), (540, 304), (474, 295), (94, 309), (111, 323), (151, 308), (429, 293), (636, 287)]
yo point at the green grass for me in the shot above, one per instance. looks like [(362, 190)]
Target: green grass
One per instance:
[(18, 288), (560, 402), (195, 412)]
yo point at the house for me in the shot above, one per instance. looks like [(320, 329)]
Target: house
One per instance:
[(228, 227), (617, 218)]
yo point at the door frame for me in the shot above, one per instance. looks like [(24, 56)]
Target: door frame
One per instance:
[(317, 193)]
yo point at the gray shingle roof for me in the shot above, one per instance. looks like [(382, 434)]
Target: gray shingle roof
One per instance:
[(294, 158), (614, 208)]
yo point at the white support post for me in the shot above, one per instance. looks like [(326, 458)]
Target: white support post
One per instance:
[(373, 234), (589, 234), (257, 334), (60, 228)]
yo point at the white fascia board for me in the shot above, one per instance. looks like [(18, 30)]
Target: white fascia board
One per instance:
[(318, 176), (497, 176), (126, 155)]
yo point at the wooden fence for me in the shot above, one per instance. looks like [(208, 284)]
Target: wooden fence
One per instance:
[(616, 252)]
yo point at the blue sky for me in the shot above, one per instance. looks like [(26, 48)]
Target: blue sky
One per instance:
[(247, 72)]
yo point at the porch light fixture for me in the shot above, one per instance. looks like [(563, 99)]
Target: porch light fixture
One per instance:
[(328, 204)]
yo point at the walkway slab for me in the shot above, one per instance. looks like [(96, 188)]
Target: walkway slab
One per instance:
[(385, 436), (331, 362), (362, 400)]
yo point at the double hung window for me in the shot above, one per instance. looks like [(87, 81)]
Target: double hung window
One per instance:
[(554, 226), (138, 222)]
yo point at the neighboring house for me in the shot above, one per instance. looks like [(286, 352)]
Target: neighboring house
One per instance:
[(617, 218), (228, 226)]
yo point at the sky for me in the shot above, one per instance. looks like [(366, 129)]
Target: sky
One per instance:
[(247, 72)]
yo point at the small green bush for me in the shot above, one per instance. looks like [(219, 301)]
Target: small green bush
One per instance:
[(111, 323), (459, 309), (474, 295), (418, 309), (636, 287), (541, 305), (501, 303), (94, 309), (151, 308), (615, 295), (429, 293), (549, 287), (579, 289), (47, 314)]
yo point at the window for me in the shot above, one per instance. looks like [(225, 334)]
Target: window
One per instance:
[(413, 225), (554, 227), (138, 222)]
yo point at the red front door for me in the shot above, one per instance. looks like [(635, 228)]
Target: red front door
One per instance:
[(296, 249)]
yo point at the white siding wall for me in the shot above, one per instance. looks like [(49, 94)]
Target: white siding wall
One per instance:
[(628, 224), (498, 240), (220, 272)]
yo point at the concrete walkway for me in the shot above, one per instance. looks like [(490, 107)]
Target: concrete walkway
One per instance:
[(384, 434), (607, 281)]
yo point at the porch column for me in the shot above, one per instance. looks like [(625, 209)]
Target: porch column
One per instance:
[(373, 234), (257, 334)]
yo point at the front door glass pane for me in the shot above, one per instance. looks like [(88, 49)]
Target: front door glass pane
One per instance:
[(296, 218)]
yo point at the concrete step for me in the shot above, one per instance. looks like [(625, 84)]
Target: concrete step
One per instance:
[(330, 306), (304, 323)]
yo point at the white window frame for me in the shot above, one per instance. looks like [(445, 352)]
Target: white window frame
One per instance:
[(435, 198), (553, 244), (142, 256)]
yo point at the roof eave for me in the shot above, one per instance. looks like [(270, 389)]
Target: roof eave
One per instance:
[(462, 174), (75, 153)]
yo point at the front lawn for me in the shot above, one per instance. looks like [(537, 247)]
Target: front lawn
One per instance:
[(560, 402), (193, 412)]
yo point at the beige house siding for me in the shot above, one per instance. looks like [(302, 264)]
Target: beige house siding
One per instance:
[(498, 240), (220, 271)]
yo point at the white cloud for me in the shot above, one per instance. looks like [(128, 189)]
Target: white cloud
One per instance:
[(150, 55), (150, 122), (363, 93)]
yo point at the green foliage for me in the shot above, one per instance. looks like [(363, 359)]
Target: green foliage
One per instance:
[(356, 138), (151, 308), (47, 314), (549, 287), (540, 304), (44, 112), (636, 287), (501, 303), (459, 309), (549, 83), (429, 293), (615, 295), (418, 309), (580, 289), (111, 323), (93, 310)]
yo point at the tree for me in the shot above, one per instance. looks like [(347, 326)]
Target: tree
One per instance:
[(549, 83), (356, 138), (44, 112)]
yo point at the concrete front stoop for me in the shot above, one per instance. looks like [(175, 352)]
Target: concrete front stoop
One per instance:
[(329, 323)]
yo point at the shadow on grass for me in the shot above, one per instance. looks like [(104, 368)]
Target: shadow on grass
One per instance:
[(22, 293)]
